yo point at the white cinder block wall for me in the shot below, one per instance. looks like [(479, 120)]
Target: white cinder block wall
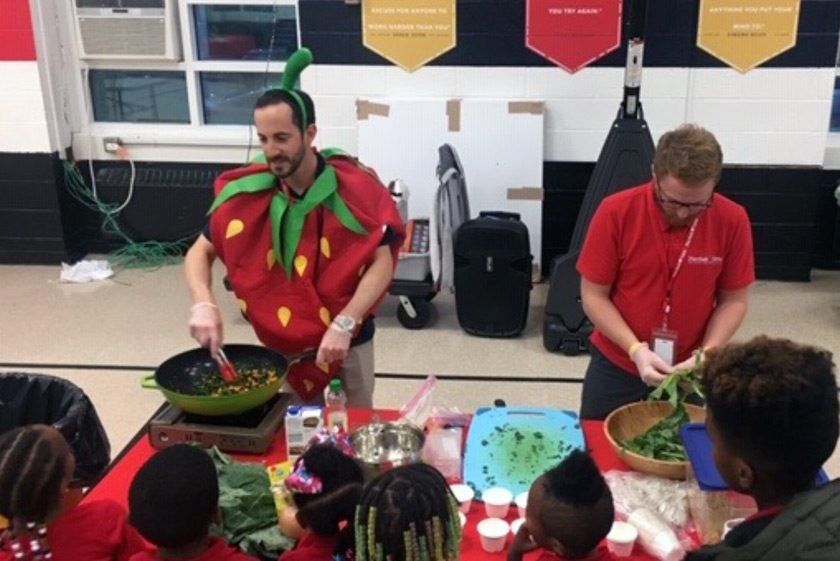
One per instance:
[(764, 117), (23, 120)]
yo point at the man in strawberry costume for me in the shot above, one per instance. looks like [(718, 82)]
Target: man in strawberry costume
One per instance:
[(309, 240)]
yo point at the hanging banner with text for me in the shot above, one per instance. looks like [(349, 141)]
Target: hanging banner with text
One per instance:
[(746, 33), (409, 33), (573, 33)]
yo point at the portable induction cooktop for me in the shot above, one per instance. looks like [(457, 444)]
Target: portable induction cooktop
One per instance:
[(252, 431)]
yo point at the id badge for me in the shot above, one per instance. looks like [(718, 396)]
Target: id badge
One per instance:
[(664, 344)]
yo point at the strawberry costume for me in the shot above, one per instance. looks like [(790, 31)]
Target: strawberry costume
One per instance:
[(295, 263)]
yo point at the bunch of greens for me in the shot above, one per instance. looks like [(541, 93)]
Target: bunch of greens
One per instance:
[(662, 441), (249, 516)]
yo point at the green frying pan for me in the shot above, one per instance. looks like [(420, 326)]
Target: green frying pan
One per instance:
[(178, 377)]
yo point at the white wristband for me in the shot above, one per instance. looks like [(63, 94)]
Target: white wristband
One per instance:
[(203, 305)]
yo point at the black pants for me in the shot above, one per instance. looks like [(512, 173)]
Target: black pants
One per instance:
[(607, 387)]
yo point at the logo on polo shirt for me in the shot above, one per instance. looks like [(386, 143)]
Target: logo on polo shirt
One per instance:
[(704, 260)]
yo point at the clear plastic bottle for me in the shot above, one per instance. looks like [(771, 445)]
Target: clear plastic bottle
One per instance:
[(335, 406)]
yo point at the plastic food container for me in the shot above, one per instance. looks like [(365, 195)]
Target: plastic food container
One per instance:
[(493, 533), (464, 494), (497, 502), (515, 525), (522, 503), (621, 539)]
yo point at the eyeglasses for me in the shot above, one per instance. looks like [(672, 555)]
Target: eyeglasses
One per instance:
[(677, 205)]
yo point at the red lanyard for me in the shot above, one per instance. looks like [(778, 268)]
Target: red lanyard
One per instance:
[(666, 308)]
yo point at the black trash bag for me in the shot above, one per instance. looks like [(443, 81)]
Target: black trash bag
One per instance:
[(27, 399)]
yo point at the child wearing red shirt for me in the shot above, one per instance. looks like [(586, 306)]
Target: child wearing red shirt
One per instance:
[(36, 468), (569, 513), (172, 501), (326, 486)]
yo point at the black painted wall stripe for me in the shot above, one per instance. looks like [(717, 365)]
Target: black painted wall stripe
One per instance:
[(492, 33)]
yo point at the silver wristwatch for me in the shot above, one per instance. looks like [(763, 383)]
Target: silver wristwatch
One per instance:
[(346, 324)]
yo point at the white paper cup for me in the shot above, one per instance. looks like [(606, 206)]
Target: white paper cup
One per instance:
[(496, 502), (462, 518), (522, 503), (621, 538), (515, 525), (464, 494), (493, 533)]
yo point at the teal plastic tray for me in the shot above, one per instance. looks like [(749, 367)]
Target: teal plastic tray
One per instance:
[(511, 446)]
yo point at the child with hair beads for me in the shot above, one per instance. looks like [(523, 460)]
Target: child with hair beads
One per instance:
[(36, 468), (326, 485), (173, 501), (570, 511), (408, 514)]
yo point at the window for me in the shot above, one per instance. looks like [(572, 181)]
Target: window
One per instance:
[(233, 32), (229, 96), (835, 107), (139, 96), (232, 52)]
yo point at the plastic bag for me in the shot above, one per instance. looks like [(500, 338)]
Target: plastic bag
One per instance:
[(417, 409), (27, 399), (443, 450), (632, 490)]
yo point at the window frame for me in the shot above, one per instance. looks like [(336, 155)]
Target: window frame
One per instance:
[(196, 132)]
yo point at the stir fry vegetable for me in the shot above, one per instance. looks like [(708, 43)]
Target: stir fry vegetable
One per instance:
[(250, 377), (662, 441)]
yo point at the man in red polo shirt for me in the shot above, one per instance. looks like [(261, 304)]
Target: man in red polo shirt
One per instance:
[(666, 269)]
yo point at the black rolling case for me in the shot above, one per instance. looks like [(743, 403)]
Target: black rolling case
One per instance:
[(493, 275)]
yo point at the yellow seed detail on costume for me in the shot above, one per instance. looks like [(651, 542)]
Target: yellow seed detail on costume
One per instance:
[(243, 305), (325, 316), (325, 366), (270, 259), (284, 314), (325, 247), (300, 264), (308, 385), (234, 228)]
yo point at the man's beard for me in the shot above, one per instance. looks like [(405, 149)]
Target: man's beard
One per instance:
[(292, 164)]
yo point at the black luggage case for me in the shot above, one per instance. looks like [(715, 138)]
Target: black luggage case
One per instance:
[(493, 275)]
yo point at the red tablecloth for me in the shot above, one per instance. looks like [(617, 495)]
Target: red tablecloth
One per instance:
[(115, 484)]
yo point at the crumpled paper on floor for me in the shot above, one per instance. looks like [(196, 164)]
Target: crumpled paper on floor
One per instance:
[(86, 271)]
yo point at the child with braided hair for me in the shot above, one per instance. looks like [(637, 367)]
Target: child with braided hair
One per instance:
[(408, 514), (36, 468), (326, 485)]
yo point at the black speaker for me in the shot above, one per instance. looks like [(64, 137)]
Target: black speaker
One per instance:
[(493, 275)]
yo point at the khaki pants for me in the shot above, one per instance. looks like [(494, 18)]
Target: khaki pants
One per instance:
[(357, 378)]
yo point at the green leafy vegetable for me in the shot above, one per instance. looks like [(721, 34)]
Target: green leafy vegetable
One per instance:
[(249, 516), (662, 441)]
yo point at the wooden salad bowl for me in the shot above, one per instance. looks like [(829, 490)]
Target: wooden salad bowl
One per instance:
[(631, 420)]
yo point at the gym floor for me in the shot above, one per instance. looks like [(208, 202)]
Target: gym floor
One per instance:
[(104, 336)]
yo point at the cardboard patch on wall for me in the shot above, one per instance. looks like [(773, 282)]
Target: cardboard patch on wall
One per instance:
[(526, 107), (453, 114), (365, 108), (525, 194)]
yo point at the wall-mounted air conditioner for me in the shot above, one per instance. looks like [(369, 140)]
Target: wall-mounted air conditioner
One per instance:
[(128, 29)]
